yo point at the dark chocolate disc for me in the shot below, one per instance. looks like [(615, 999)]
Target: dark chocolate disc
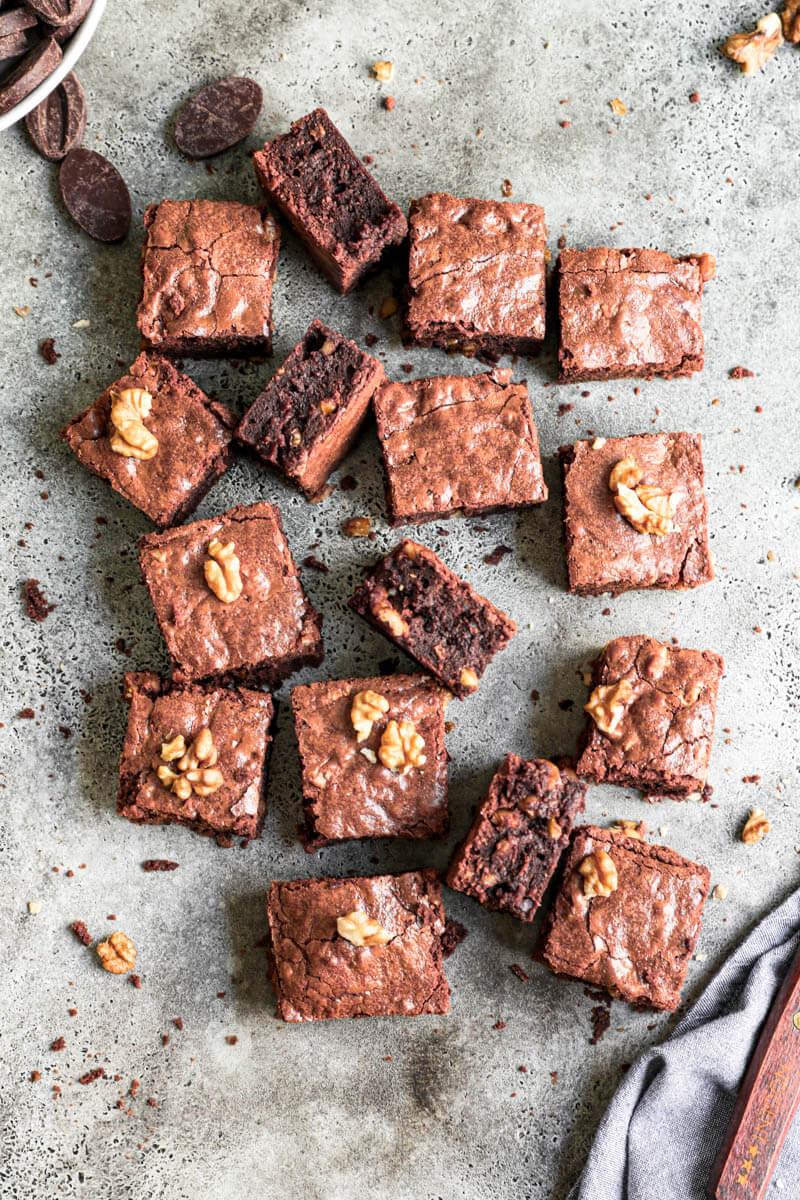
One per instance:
[(79, 9), (57, 125), (219, 116), (95, 194)]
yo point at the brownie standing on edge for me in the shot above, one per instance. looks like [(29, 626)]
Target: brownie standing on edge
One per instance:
[(437, 618), (458, 443), (156, 438), (228, 599), (629, 312), (650, 720), (329, 198), (309, 414), (651, 532), (626, 917), (196, 756), (519, 833), (357, 947), (207, 272), (476, 275), (373, 758)]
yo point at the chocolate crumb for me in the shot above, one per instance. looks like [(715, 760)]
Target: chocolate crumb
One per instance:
[(497, 555), (349, 483), (694, 97), (231, 1039), (159, 864), (48, 351), (520, 974), (35, 1076), (566, 705), (90, 1076), (499, 1025), (26, 714), (601, 1020), (563, 409), (58, 1044), (453, 936), (388, 103), (177, 1022), (136, 980), (311, 560), (741, 373), (81, 932), (371, 339), (36, 603), (562, 242), (506, 188)]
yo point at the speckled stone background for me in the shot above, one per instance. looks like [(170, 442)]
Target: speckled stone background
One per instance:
[(408, 1109)]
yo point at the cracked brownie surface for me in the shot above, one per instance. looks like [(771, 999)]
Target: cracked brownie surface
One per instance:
[(455, 443), (605, 553), (267, 633), (476, 275), (207, 272), (318, 974), (662, 742), (637, 942), (628, 312)]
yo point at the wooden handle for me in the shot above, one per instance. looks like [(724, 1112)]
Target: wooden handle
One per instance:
[(767, 1102)]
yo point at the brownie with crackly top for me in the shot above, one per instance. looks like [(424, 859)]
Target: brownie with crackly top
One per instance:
[(650, 717), (196, 756), (309, 414), (438, 618), (519, 833), (626, 917)]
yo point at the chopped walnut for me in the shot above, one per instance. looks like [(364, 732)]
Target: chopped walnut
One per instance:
[(367, 708), (401, 747), (131, 437), (383, 70), (357, 527), (391, 618), (617, 107), (468, 678), (752, 50), (118, 954), (599, 874), (222, 571), (647, 507), (553, 829), (361, 930), (632, 829), (193, 770), (607, 705), (175, 748), (791, 20), (755, 827)]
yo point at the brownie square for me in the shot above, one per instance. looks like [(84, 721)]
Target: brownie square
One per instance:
[(329, 198), (651, 714), (630, 312), (309, 414), (317, 973), (437, 618), (356, 782), (215, 785), (637, 941), (476, 275), (192, 433), (455, 443), (606, 552), (519, 833), (207, 272), (263, 634)]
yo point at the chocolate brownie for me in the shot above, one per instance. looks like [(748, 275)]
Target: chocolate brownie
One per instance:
[(189, 447), (458, 443), (262, 630), (519, 833), (329, 198), (196, 756), (437, 618), (650, 719), (318, 972), (207, 268), (476, 275), (373, 758), (609, 551), (635, 935), (308, 416), (630, 312)]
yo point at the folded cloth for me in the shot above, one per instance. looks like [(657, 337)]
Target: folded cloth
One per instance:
[(664, 1127)]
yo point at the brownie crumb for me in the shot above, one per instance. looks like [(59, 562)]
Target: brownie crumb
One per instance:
[(48, 351), (177, 1022), (506, 188), (601, 1020), (81, 932), (90, 1076), (159, 864), (136, 980), (312, 561), (694, 97), (134, 1088), (741, 373), (231, 1039), (562, 242), (388, 103), (58, 1044), (73, 1012), (349, 483), (554, 1077), (165, 1039), (35, 1076), (497, 555), (520, 974), (563, 409), (151, 1102), (371, 339), (36, 603), (65, 731), (26, 714), (453, 936), (499, 1025)]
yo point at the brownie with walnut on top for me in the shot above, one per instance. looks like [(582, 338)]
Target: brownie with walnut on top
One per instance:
[(438, 618), (519, 833), (310, 412), (626, 917), (196, 756), (635, 513), (156, 438), (373, 758), (650, 717)]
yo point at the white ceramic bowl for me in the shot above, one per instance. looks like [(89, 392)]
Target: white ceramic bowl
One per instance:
[(73, 50)]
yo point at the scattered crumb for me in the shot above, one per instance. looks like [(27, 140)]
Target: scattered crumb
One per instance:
[(694, 97), (48, 351), (520, 974), (497, 555), (601, 1020), (159, 864), (58, 1044), (136, 980), (231, 1039), (81, 932), (90, 1076), (741, 373), (388, 103), (453, 936), (499, 1025), (506, 188)]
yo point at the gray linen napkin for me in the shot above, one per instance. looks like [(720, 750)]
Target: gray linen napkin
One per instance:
[(664, 1126)]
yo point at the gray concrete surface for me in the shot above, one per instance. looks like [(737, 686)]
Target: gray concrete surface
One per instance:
[(437, 1107)]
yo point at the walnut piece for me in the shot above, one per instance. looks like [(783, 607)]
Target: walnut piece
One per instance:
[(222, 571), (361, 930), (626, 472), (131, 437), (553, 829), (391, 618), (356, 527), (383, 70), (367, 708), (791, 20), (752, 50), (118, 954), (468, 678), (401, 747), (755, 827), (599, 874), (607, 705), (194, 770), (631, 829)]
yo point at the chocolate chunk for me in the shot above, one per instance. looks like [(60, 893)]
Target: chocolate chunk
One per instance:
[(53, 12), (28, 74), (57, 125), (218, 117), (95, 194), (78, 12), (16, 43)]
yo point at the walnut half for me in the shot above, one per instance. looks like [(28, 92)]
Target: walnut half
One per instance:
[(755, 827), (752, 50), (599, 874), (222, 571), (367, 708), (647, 507), (118, 954), (361, 930), (401, 747), (791, 20), (607, 705), (131, 437)]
